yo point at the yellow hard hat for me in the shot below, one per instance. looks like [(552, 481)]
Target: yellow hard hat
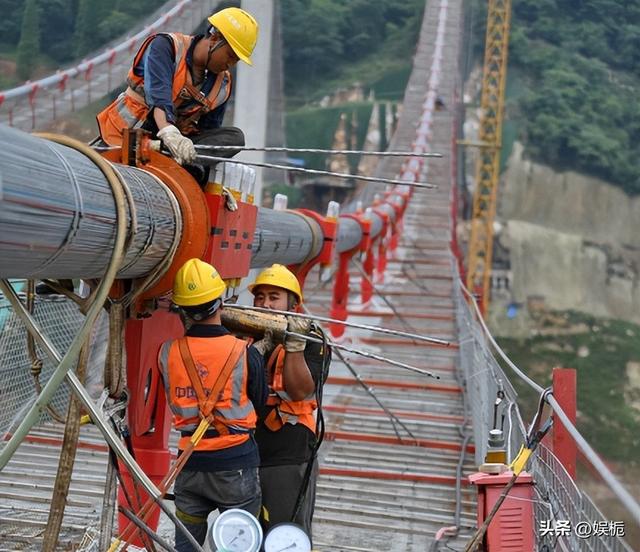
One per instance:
[(280, 276), (197, 283), (239, 29)]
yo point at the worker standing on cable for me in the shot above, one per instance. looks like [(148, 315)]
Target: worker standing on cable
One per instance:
[(210, 374), (178, 87), (287, 431)]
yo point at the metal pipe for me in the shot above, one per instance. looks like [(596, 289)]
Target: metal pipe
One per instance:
[(349, 234), (316, 150), (375, 179)]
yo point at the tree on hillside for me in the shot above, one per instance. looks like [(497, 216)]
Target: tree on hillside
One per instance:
[(29, 45), (91, 13), (56, 21), (10, 22)]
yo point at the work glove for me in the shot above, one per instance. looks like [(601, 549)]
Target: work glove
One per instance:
[(292, 343), (181, 147), (266, 344)]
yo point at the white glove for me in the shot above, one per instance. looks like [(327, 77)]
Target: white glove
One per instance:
[(292, 343), (180, 146), (266, 344)]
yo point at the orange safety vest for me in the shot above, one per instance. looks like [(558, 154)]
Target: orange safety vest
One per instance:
[(286, 411), (130, 110), (233, 415)]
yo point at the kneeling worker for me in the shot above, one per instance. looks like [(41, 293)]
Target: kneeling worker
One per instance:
[(179, 86), (209, 374), (286, 431)]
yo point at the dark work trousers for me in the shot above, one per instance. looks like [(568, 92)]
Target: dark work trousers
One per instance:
[(200, 493), (223, 136), (280, 488)]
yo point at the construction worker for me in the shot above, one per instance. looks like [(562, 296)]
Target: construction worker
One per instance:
[(179, 86), (213, 375), (286, 430)]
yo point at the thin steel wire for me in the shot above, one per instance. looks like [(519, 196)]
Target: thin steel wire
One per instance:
[(328, 151), (374, 179)]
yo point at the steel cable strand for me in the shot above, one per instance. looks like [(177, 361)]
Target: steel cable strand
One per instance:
[(378, 329), (407, 325), (144, 528), (368, 354), (316, 150), (392, 417), (377, 180)]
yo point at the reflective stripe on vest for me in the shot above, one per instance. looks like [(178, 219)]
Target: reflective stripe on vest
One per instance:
[(286, 411), (131, 110), (233, 407)]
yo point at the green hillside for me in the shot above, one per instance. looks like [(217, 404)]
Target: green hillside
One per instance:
[(600, 350), (329, 44), (576, 64), (37, 36)]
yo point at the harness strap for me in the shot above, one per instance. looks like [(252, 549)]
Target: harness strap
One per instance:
[(206, 102), (206, 403)]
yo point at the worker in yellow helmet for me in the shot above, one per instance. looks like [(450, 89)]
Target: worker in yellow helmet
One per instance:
[(222, 472), (288, 426), (178, 87)]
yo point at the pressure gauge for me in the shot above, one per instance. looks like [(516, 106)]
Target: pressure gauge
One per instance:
[(287, 537), (235, 530)]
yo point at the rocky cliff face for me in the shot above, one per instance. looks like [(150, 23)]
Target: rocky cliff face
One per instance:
[(573, 241)]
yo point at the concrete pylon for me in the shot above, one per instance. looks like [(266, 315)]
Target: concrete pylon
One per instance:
[(389, 121), (252, 89), (339, 162), (368, 163)]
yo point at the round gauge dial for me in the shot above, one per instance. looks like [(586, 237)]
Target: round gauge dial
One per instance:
[(236, 530), (287, 537)]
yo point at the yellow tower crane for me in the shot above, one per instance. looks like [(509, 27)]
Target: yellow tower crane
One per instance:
[(494, 78)]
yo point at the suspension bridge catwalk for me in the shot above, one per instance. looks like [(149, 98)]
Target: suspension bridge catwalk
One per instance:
[(375, 493)]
